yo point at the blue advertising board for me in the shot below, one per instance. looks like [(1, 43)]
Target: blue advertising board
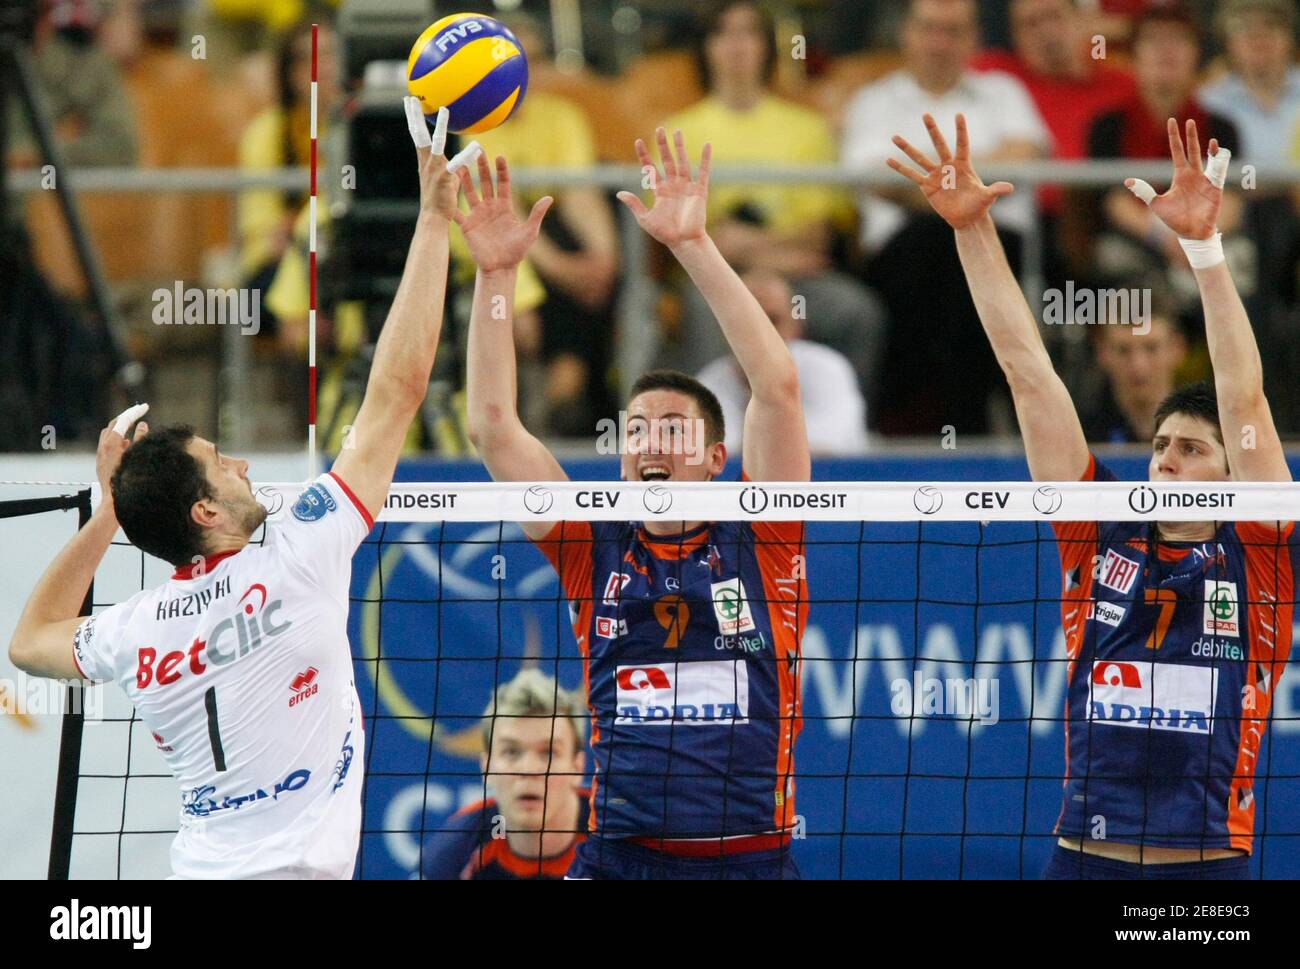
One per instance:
[(888, 785)]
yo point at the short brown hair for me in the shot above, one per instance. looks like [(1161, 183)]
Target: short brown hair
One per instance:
[(1176, 13), (715, 426)]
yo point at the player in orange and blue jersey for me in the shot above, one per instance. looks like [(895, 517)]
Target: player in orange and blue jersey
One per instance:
[(689, 630), (1177, 632)]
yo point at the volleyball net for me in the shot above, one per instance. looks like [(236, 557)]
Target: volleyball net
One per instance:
[(934, 668)]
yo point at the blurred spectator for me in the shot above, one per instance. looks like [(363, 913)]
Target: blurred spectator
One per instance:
[(938, 368), (536, 814), (232, 29), (835, 413), (1139, 370), (278, 137), (1058, 62), (1261, 94), (775, 227), (576, 255), (1166, 52), (81, 87)]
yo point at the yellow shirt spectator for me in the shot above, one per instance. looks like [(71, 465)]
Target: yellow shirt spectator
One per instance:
[(775, 130), (546, 131)]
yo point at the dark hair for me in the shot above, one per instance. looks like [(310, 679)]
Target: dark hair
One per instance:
[(709, 23), (1195, 400), (154, 489), (715, 427), (1175, 12)]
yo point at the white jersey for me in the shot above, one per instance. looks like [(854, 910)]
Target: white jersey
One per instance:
[(242, 671)]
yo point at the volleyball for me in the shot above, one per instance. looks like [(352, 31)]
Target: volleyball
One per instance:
[(472, 65)]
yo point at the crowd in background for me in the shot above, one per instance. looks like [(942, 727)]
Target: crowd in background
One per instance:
[(865, 286)]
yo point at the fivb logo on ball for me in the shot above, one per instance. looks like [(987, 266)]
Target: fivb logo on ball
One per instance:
[(473, 66)]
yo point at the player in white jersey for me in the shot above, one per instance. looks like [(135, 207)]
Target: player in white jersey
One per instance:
[(240, 664)]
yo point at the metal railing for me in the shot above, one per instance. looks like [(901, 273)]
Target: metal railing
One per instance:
[(633, 351)]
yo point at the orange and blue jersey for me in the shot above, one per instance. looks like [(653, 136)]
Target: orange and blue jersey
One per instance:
[(471, 847), (1175, 650), (691, 655)]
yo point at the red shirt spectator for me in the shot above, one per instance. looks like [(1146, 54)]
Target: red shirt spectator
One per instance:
[(1053, 58)]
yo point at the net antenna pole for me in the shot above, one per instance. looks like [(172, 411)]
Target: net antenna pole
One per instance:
[(311, 258), (69, 773)]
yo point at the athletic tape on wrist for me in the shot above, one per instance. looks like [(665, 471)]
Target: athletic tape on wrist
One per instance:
[(1204, 253)]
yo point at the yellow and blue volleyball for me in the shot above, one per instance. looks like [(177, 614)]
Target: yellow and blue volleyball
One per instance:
[(472, 65)]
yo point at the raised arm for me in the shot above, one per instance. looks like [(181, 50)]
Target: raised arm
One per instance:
[(42, 641), (498, 240), (1191, 209), (1054, 441), (399, 376), (776, 439)]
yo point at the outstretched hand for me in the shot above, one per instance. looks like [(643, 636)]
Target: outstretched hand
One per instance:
[(680, 200), (438, 187), (951, 186), (1191, 206), (108, 455), (496, 236)]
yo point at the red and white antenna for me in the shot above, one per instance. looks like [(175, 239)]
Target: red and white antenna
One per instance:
[(311, 274)]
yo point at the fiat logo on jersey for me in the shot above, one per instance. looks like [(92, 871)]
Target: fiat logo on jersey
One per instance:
[(1142, 500), (753, 500)]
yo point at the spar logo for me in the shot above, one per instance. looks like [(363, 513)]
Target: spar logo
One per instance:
[(1221, 609), (731, 607), (1153, 696), (705, 693)]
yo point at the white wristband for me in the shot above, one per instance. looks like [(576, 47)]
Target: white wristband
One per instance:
[(1204, 253)]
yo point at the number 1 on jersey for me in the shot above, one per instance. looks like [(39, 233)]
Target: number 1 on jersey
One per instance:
[(214, 729)]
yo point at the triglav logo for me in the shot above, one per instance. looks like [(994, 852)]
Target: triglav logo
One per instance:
[(753, 500), (927, 500), (1047, 500), (538, 500), (656, 500), (1142, 500)]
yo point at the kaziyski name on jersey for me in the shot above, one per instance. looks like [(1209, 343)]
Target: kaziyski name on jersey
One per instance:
[(242, 672), (1175, 652)]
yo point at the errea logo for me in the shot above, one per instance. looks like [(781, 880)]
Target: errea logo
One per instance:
[(75, 922)]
